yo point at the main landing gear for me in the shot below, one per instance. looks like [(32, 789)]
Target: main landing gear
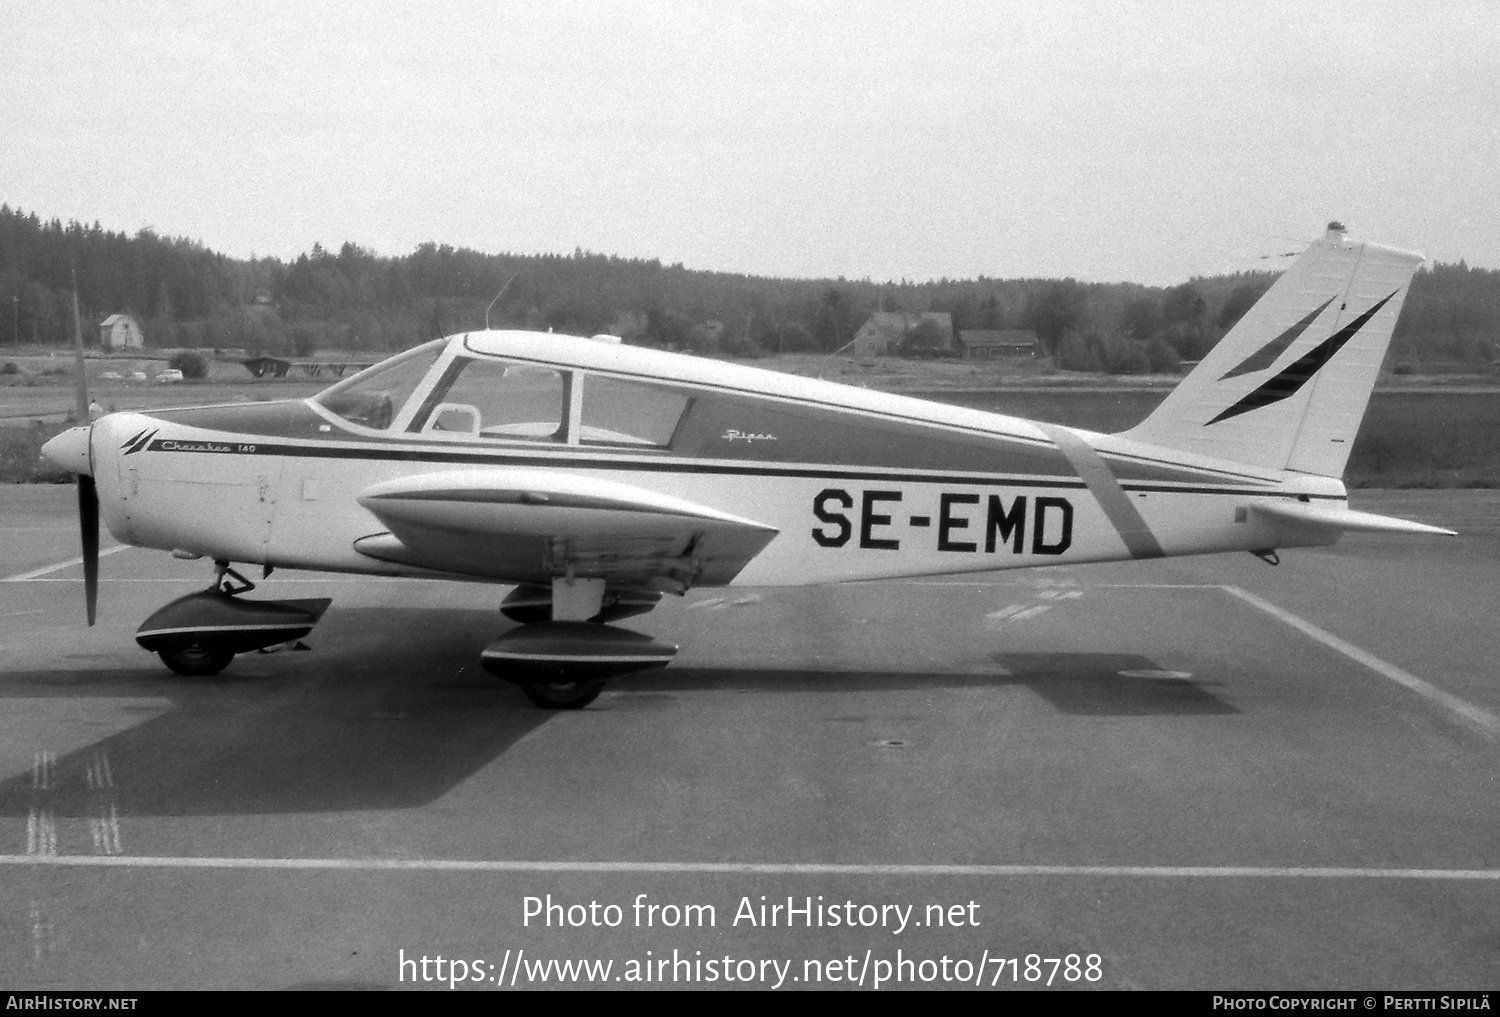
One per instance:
[(564, 695), (199, 634), (563, 652)]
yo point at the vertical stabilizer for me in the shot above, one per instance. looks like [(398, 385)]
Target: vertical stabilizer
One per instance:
[(1288, 386)]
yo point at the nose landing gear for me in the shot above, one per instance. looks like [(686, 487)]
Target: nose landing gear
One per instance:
[(198, 659), (199, 634)]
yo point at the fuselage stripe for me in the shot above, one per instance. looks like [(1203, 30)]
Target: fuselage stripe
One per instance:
[(651, 466), (719, 468), (1101, 483)]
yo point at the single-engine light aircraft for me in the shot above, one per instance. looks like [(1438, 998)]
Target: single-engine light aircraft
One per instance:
[(595, 477)]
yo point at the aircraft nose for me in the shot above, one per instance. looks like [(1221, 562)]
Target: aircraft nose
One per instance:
[(70, 450)]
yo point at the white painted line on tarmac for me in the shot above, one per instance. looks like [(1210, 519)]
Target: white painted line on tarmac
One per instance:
[(1014, 613), (1154, 586), (106, 832), (41, 834), (1033, 583), (98, 774), (24, 576), (43, 770), (754, 868), (1483, 721), (272, 582), (43, 931)]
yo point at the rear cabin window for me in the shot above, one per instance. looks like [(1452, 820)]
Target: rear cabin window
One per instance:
[(629, 413), (492, 399)]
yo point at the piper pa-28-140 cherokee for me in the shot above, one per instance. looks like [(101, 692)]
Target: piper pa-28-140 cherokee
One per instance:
[(596, 477)]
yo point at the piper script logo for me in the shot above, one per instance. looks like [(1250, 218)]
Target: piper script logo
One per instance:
[(733, 434)]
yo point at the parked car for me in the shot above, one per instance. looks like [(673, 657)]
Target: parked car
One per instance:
[(170, 376)]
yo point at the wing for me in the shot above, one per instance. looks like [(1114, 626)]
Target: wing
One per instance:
[(527, 526)]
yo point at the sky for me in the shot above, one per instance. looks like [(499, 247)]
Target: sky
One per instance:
[(1147, 142)]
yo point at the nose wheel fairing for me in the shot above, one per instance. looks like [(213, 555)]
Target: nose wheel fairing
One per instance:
[(199, 634)]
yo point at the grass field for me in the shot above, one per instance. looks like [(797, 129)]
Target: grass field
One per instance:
[(21, 455)]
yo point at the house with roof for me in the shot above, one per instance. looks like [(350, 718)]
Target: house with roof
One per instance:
[(991, 344), (884, 332), (121, 332)]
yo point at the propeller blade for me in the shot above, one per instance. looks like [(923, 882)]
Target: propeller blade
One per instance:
[(88, 527), (88, 493)]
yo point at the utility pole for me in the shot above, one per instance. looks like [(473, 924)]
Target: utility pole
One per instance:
[(15, 328)]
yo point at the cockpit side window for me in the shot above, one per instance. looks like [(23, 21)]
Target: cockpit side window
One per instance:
[(482, 398), (374, 397)]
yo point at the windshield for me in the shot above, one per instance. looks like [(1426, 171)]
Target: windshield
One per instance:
[(372, 398)]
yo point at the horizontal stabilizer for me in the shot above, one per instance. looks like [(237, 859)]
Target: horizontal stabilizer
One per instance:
[(1345, 519)]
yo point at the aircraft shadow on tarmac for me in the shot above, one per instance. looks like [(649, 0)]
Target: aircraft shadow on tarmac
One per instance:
[(377, 717), (1084, 684), (372, 722)]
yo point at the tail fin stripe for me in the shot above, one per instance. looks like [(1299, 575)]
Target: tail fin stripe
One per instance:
[(1297, 374), (1267, 354)]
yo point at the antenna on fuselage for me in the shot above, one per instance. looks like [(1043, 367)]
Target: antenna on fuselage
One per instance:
[(829, 359), (497, 297)]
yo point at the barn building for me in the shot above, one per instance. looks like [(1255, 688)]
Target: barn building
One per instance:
[(884, 332), (121, 332), (991, 344)]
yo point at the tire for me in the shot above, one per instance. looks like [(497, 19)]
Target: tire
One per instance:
[(197, 660), (564, 695), (528, 614)]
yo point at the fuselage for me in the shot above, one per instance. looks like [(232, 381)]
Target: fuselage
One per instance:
[(858, 484)]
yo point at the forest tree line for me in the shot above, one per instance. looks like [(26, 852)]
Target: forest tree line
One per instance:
[(188, 296)]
